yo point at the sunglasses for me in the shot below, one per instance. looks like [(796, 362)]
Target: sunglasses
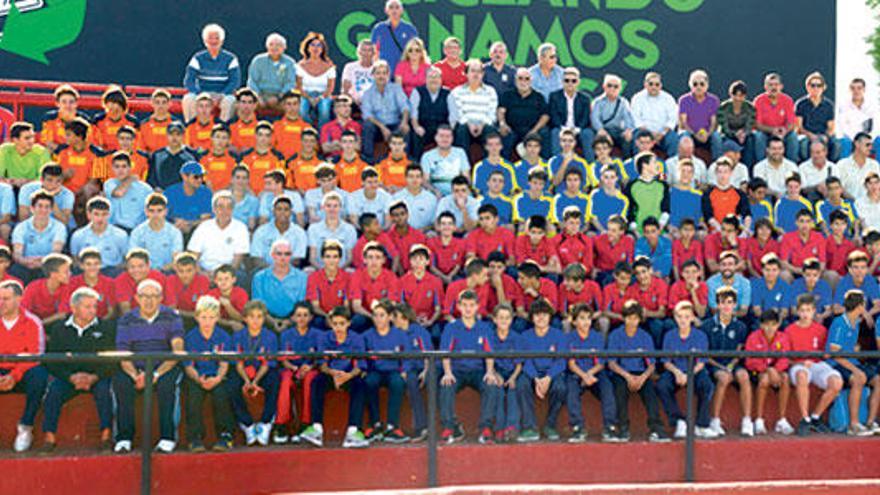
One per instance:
[(284, 253), (570, 80), (699, 83), (817, 85), (612, 85), (653, 84), (523, 78)]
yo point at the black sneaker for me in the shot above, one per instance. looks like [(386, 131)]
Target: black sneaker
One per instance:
[(821, 427), (420, 436), (395, 435), (623, 435), (374, 433), (47, 448), (280, 434), (486, 437), (458, 433), (658, 436), (224, 443), (196, 446), (804, 427), (610, 434), (578, 435)]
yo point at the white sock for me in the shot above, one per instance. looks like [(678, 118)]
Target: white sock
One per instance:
[(351, 430), (319, 427)]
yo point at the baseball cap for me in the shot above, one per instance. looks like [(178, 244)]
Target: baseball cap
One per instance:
[(192, 168)]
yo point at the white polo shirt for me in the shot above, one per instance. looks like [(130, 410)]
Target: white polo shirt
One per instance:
[(218, 246)]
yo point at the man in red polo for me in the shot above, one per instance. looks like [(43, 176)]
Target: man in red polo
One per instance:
[(403, 237), (371, 283), (800, 245), (489, 237)]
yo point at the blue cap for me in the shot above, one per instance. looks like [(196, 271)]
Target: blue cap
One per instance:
[(731, 145), (175, 125), (192, 168)]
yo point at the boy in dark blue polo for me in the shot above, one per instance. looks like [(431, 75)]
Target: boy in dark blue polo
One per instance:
[(541, 377), (297, 374), (770, 291), (467, 334), (206, 377), (255, 376), (634, 373), (507, 416), (684, 339), (339, 372), (383, 337), (588, 374), (419, 340)]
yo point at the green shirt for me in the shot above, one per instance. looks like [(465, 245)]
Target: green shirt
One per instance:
[(15, 166), (647, 199)]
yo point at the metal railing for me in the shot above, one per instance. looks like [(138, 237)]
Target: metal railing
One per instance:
[(150, 361)]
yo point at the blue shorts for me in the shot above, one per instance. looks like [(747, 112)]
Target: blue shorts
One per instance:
[(869, 369)]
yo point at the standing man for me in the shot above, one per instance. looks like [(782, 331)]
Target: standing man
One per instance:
[(429, 105), (390, 36), (148, 328), (546, 74), (854, 116), (498, 73), (214, 71), (656, 111), (570, 109)]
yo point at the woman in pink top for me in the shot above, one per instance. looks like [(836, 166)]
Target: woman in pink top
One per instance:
[(410, 72)]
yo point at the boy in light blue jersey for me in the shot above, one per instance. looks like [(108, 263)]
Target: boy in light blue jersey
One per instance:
[(159, 238)]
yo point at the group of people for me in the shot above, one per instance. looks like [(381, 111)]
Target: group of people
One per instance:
[(512, 212)]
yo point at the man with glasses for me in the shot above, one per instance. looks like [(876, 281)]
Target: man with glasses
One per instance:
[(656, 111), (815, 118), (221, 240), (546, 74), (472, 107), (189, 201), (775, 116), (331, 133), (521, 112), (611, 116), (429, 106), (166, 163), (854, 116), (498, 73), (280, 286), (697, 110), (854, 169), (570, 109)]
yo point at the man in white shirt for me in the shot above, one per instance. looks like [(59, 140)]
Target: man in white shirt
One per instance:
[(357, 76), (221, 240), (686, 150), (868, 206), (815, 171), (854, 169), (444, 163), (775, 168), (656, 111), (854, 116)]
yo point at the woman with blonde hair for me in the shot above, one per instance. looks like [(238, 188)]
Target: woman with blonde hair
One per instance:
[(412, 70)]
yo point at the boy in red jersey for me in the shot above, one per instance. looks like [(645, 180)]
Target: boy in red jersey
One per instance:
[(422, 291), (535, 246), (837, 248), (476, 280), (371, 283), (614, 295), (326, 287), (686, 247), (45, 297), (231, 297), (799, 245), (533, 288), (91, 277), (372, 232), (447, 251), (652, 293), (572, 245), (137, 269), (489, 237), (576, 289), (402, 235), (770, 372), (613, 247), (185, 286)]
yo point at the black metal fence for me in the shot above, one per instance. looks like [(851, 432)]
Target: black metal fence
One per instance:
[(151, 360)]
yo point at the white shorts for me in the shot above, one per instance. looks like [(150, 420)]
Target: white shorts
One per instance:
[(818, 373)]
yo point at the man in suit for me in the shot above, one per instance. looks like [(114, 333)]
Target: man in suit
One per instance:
[(573, 115)]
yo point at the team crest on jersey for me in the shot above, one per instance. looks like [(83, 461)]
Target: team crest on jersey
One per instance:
[(454, 256), (229, 240), (553, 348), (430, 293), (340, 293), (731, 335)]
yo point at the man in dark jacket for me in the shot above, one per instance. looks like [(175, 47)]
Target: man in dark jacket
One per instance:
[(429, 109), (575, 116), (81, 332)]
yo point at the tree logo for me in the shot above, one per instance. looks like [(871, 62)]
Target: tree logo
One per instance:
[(36, 27)]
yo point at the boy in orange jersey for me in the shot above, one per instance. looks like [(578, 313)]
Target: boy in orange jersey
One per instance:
[(83, 164), (52, 134), (114, 116), (392, 169), (350, 165), (301, 166), (243, 127), (154, 129), (126, 136), (290, 127), (262, 158), (198, 130), (219, 162)]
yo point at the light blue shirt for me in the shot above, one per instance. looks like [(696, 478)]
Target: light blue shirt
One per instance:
[(246, 209), (421, 207), (316, 195), (279, 295), (386, 107), (268, 77), (63, 198), (447, 203), (161, 245), (113, 243), (661, 258), (742, 286), (604, 111), (266, 199), (38, 243), (358, 204), (7, 200), (127, 211), (266, 234), (548, 84), (440, 171), (344, 233)]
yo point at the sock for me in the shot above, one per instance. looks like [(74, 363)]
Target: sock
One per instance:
[(814, 417), (319, 427), (351, 430)]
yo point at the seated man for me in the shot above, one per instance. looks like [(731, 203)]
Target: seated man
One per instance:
[(280, 286), (222, 239), (523, 111), (574, 116), (473, 107), (82, 332), (148, 328), (775, 117), (212, 70), (189, 201), (611, 116), (385, 110), (430, 111)]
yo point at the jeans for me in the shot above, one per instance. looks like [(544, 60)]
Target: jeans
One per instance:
[(585, 138), (658, 327), (714, 143), (416, 401), (463, 138), (525, 388), (60, 391), (602, 390), (508, 408), (513, 138), (417, 143), (195, 397), (356, 393), (269, 382), (33, 384), (167, 395), (322, 109), (395, 384), (649, 398), (474, 380), (287, 387), (792, 148), (832, 145), (369, 135), (703, 387)]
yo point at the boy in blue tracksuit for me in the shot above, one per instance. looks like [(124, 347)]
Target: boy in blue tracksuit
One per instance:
[(634, 373), (686, 338), (419, 340), (541, 377), (255, 376), (384, 337), (507, 415), (588, 374), (341, 373), (467, 334)]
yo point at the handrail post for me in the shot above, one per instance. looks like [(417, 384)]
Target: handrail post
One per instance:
[(147, 430), (432, 421), (689, 439)]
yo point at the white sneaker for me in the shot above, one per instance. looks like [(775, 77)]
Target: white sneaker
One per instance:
[(24, 438), (313, 434), (166, 446), (706, 433), (681, 429), (355, 439), (715, 424), (874, 427), (760, 427), (122, 446), (250, 433), (262, 432), (747, 428), (783, 427), (858, 430)]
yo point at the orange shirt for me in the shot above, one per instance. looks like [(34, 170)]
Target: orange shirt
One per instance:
[(301, 173), (243, 135), (349, 173), (260, 164), (393, 172), (198, 135), (139, 165), (53, 128), (86, 165), (153, 134), (106, 128), (287, 136), (218, 170)]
